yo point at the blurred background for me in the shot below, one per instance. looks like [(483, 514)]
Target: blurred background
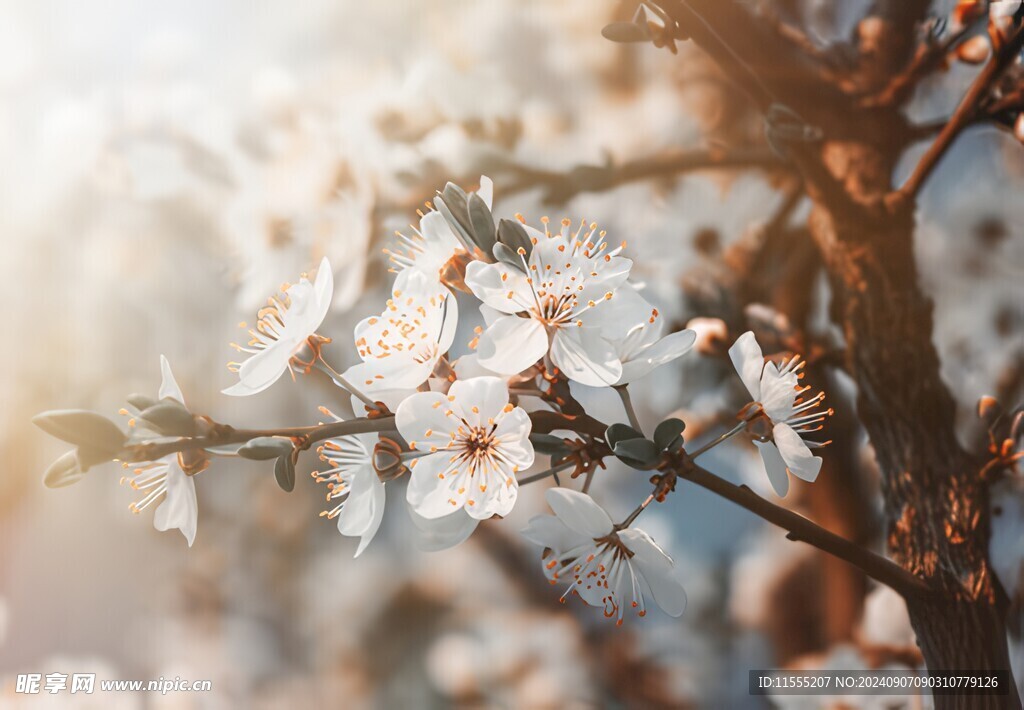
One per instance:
[(164, 167)]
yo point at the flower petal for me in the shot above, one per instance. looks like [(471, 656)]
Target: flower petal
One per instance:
[(585, 357), (323, 291), (480, 398), (671, 347), (261, 370), (168, 385), (428, 493), (579, 512), (550, 532), (746, 357), (778, 392), (775, 467), (364, 508), (799, 460), (501, 287), (179, 509), (486, 190), (658, 571), (423, 420), (512, 344), (442, 533)]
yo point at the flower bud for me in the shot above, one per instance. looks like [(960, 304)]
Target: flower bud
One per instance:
[(63, 472)]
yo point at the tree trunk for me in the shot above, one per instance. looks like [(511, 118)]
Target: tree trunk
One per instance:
[(936, 506)]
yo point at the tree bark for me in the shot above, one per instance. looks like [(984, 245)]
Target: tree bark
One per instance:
[(936, 506)]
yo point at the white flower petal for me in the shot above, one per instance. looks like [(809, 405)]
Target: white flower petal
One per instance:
[(585, 357), (427, 493), (261, 370), (168, 385), (364, 508), (669, 348), (746, 357), (513, 434), (799, 460), (442, 533), (778, 392), (323, 290), (356, 515), (512, 344), (179, 509), (1006, 544), (579, 512), (486, 190), (549, 531), (503, 288), (774, 466), (480, 398), (423, 419), (658, 571)]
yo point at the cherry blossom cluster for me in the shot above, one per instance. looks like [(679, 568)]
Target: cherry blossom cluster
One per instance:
[(464, 422)]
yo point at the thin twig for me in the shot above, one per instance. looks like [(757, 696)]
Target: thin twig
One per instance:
[(229, 435), (800, 528), (627, 404), (560, 187), (965, 113), (928, 58), (553, 471)]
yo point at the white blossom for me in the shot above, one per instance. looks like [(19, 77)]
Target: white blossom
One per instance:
[(777, 392), (352, 480), (165, 478), (643, 349), (473, 443), (401, 347), (283, 328), (605, 567), (431, 248), (557, 300)]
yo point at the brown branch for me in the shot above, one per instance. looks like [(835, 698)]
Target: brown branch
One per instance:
[(928, 58), (800, 528), (560, 187), (965, 113), (223, 435)]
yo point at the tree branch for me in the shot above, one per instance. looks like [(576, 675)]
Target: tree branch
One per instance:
[(560, 187), (224, 435), (928, 58), (965, 113), (800, 528)]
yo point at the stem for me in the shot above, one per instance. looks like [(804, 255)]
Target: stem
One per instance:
[(633, 516), (311, 435), (344, 384), (800, 528), (724, 437), (588, 480), (553, 471), (627, 404), (964, 114)]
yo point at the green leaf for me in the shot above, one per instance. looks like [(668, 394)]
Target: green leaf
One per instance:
[(513, 235), (548, 444), (284, 472), (265, 448), (169, 416), (669, 434), (63, 472), (82, 428), (620, 432), (482, 222), (643, 454)]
